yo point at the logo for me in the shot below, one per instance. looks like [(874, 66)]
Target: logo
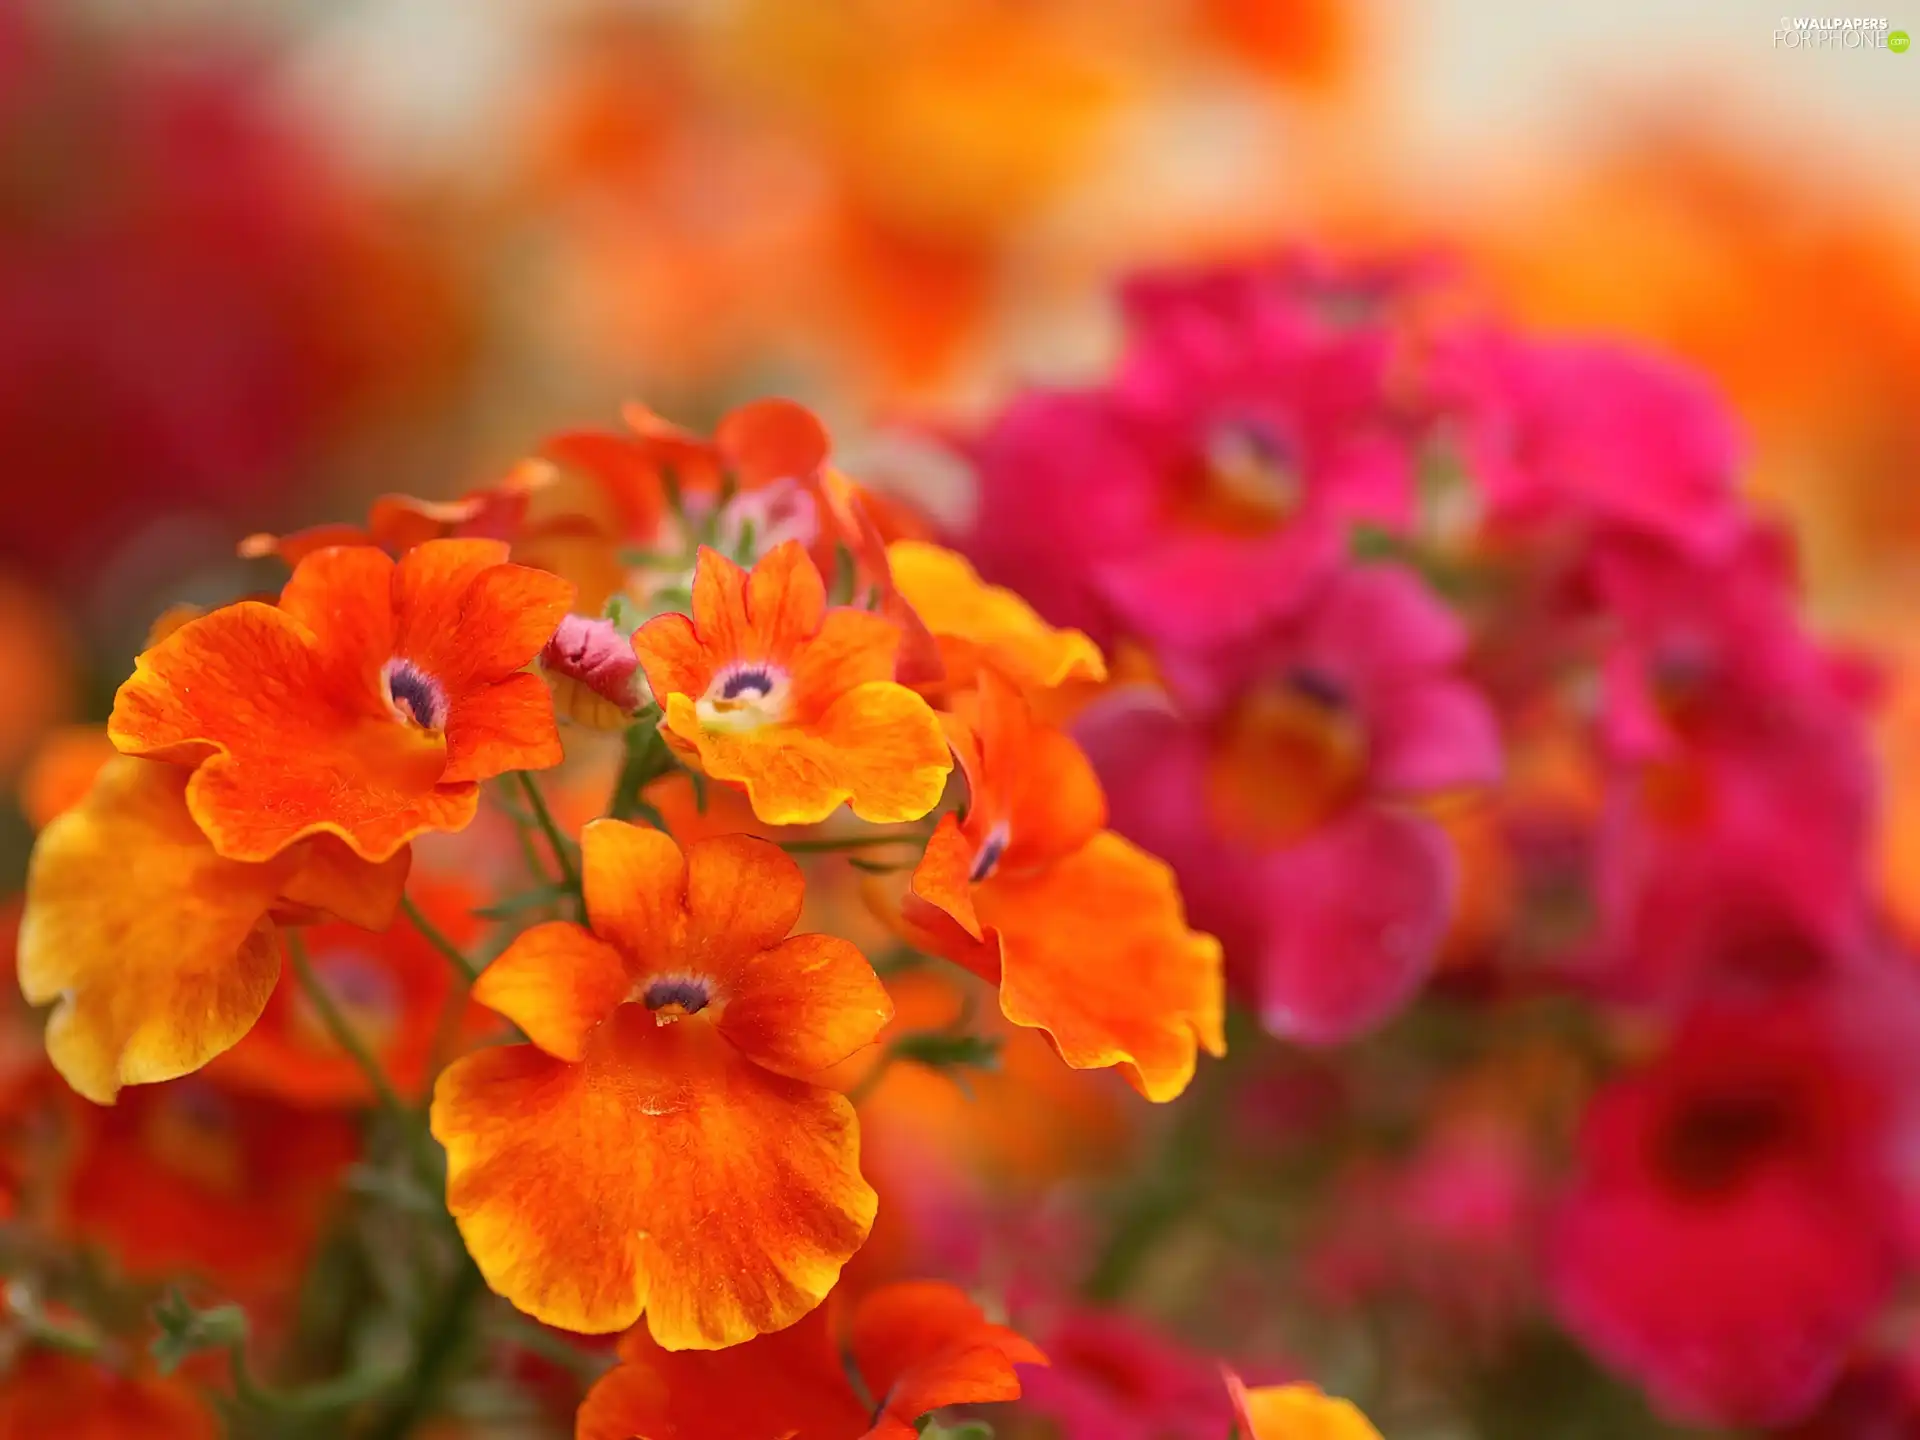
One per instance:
[(1822, 32)]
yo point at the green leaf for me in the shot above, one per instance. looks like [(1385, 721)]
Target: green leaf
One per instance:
[(185, 1331)]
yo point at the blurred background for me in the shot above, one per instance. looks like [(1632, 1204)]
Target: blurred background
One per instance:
[(262, 260)]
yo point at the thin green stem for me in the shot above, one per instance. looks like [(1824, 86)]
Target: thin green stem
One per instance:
[(558, 843), (834, 845), (431, 934), (343, 1033), (440, 1343)]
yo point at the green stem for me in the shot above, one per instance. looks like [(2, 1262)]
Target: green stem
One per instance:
[(851, 842), (343, 1033), (440, 1342), (339, 1393), (562, 847), (455, 955)]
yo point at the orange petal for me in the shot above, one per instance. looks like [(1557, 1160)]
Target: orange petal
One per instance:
[(62, 771), (1296, 1412), (878, 748), (467, 618), (344, 597), (786, 598), (743, 895), (988, 623), (669, 651), (923, 1345), (768, 440), (292, 754), (663, 1172), (943, 877), (556, 982), (333, 882), (1095, 951), (803, 1005), (295, 547), (720, 617), (501, 727), (786, 1384), (853, 647), (1033, 777), (49, 1395), (158, 952), (636, 886)]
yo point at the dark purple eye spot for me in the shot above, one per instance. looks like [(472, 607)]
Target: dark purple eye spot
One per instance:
[(415, 696), (1318, 686), (690, 995), (987, 860), (756, 683)]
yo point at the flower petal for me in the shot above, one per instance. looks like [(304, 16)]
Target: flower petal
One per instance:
[(943, 877), (334, 883), (922, 1345), (853, 647), (292, 753), (1095, 951), (501, 727), (671, 654), (344, 596), (469, 619), (158, 952), (772, 439), (662, 1173), (1296, 1412), (803, 1005), (635, 881), (1434, 736), (787, 1385), (1359, 912), (556, 982), (786, 598), (980, 622), (878, 748)]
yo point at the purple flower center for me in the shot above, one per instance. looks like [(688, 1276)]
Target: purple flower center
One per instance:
[(414, 695), (752, 683), (1318, 686), (987, 860), (688, 996)]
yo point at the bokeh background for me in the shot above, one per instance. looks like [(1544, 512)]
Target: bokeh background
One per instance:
[(261, 260)]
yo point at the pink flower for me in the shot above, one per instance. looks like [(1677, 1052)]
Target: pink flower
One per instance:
[(1586, 434), (1114, 1378), (1202, 493), (1278, 789), (1733, 1224), (1739, 791), (599, 655)]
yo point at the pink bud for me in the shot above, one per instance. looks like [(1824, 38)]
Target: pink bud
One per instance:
[(597, 654)]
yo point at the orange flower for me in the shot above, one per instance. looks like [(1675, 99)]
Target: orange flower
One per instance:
[(194, 1179), (766, 686), (1295, 1412), (1083, 932), (660, 1145), (368, 704), (396, 992), (157, 953), (918, 1346), (397, 523), (975, 622), (46, 1393)]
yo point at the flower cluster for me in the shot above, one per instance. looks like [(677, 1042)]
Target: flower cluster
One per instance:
[(1462, 678), (640, 1130)]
